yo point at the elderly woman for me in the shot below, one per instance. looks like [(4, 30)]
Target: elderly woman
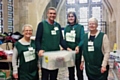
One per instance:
[(95, 52), (25, 59), (74, 33)]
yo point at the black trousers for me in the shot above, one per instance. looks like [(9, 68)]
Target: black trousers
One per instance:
[(79, 73), (90, 78), (49, 74), (94, 79)]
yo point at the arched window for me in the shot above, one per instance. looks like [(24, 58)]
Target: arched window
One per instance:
[(85, 9)]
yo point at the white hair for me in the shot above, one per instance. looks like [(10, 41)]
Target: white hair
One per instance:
[(27, 25), (93, 19)]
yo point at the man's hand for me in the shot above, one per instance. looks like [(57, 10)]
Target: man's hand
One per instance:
[(82, 65), (40, 54)]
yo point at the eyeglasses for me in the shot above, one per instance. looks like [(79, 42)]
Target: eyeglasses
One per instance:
[(28, 30), (93, 24)]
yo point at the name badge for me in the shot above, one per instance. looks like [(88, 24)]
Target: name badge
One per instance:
[(91, 48), (72, 31), (56, 28), (90, 43), (70, 37), (29, 55), (30, 48), (53, 32)]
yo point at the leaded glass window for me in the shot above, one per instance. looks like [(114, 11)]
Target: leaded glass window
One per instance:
[(70, 1), (85, 9), (1, 17), (10, 15)]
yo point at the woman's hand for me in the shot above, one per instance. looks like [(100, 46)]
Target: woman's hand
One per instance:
[(69, 49), (15, 75), (103, 69), (77, 49), (40, 54), (82, 65)]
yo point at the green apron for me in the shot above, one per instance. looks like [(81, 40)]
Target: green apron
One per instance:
[(72, 45), (93, 59), (51, 37), (28, 70)]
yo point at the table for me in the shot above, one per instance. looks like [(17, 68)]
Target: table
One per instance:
[(6, 66), (6, 63)]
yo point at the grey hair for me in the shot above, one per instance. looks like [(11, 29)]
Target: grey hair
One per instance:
[(27, 25), (93, 19), (51, 8)]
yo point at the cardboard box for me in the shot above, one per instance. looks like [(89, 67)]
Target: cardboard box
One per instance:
[(4, 74)]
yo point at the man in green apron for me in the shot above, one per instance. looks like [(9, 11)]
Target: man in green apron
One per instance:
[(48, 38)]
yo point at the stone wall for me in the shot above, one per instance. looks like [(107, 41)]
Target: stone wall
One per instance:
[(32, 12), (115, 29), (28, 12)]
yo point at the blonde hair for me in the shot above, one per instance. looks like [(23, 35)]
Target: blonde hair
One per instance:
[(93, 19), (27, 25)]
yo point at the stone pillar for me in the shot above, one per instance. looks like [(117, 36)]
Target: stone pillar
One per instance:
[(112, 33), (16, 16), (116, 12), (111, 20), (28, 12), (5, 17), (62, 19), (61, 15), (118, 25), (23, 15), (35, 12)]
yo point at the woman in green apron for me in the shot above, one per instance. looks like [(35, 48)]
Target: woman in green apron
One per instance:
[(74, 32), (25, 59), (95, 52)]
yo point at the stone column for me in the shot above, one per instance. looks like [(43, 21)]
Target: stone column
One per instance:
[(35, 12), (111, 8), (16, 16), (112, 33), (28, 12), (61, 14), (23, 15), (5, 17), (118, 25)]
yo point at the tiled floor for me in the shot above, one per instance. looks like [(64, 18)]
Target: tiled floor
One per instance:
[(63, 75)]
